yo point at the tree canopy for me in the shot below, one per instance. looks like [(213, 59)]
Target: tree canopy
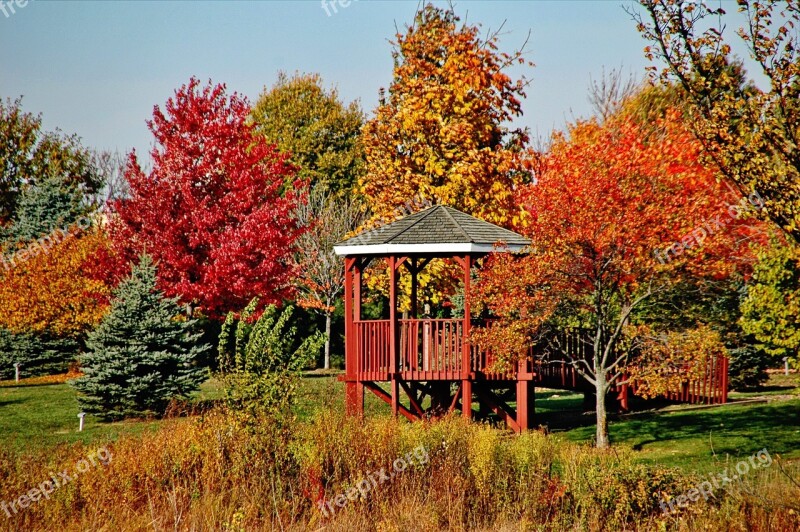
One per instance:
[(210, 212), (442, 134), (29, 156), (749, 133), (607, 201), (319, 132)]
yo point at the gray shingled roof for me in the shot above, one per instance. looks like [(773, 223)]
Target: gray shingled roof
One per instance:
[(437, 225)]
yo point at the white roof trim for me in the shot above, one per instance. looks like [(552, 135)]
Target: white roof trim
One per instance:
[(401, 249)]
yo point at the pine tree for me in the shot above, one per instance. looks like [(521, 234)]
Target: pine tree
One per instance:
[(140, 356)]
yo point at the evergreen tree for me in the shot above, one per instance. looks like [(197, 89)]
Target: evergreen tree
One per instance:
[(141, 355), (37, 354), (49, 205)]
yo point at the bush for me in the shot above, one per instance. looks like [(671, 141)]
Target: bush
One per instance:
[(261, 360), (748, 367), (209, 473)]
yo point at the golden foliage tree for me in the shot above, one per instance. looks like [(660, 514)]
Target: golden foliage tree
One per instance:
[(751, 134), (441, 135), (49, 289)]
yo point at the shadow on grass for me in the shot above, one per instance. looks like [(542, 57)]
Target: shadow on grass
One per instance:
[(720, 431)]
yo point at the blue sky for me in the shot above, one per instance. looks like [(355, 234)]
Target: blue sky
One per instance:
[(97, 68)]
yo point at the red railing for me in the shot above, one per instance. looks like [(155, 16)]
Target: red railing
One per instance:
[(431, 345), (553, 371), (432, 349), (373, 345)]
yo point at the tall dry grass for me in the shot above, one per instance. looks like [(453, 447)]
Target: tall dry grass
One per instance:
[(220, 472)]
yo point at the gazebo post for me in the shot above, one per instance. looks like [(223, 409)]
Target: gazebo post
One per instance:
[(357, 285), (412, 267), (353, 406), (466, 382), (394, 335)]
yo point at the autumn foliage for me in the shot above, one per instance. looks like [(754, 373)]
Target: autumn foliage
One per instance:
[(441, 135), (607, 203), (52, 291), (210, 212), (609, 199)]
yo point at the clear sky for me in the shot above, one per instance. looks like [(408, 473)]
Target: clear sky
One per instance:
[(97, 68)]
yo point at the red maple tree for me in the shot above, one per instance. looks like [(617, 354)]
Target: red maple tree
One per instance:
[(211, 211)]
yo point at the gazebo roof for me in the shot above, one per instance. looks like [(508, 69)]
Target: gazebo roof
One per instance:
[(438, 229)]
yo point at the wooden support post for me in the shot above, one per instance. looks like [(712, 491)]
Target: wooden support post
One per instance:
[(394, 336), (412, 268), (354, 393), (525, 404), (466, 362), (358, 269), (725, 363)]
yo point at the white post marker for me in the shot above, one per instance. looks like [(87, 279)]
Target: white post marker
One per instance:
[(80, 421), (16, 372), (785, 365)]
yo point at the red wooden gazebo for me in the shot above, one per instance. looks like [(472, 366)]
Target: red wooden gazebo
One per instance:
[(426, 358)]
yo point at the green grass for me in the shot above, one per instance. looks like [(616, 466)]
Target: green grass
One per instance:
[(684, 436), (45, 415), (42, 416)]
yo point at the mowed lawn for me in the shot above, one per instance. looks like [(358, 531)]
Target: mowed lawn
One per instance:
[(37, 417)]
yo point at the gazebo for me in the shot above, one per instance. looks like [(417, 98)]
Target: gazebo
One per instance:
[(427, 357)]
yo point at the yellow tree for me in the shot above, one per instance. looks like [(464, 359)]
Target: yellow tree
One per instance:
[(442, 136), (49, 289)]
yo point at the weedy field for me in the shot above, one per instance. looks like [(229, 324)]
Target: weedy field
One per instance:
[(216, 470)]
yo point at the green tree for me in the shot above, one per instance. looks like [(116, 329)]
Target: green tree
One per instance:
[(44, 207), (29, 156), (142, 354), (36, 354), (321, 133), (771, 310), (260, 360)]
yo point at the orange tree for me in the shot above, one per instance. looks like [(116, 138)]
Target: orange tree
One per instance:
[(619, 212), (51, 291)]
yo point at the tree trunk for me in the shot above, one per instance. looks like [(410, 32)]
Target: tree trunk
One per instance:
[(327, 363), (602, 416)]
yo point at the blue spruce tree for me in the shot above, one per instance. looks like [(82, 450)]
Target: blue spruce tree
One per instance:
[(142, 354)]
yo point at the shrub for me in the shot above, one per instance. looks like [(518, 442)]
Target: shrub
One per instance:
[(748, 367), (260, 360), (207, 473), (141, 355)]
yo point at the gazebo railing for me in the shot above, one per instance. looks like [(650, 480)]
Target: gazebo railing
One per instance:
[(428, 348), (431, 344), (373, 346)]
